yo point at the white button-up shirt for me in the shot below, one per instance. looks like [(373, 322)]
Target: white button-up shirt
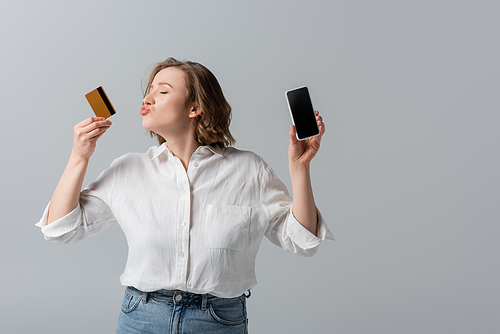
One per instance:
[(197, 230)]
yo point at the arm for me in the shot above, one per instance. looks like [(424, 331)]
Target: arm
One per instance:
[(67, 193), (300, 154)]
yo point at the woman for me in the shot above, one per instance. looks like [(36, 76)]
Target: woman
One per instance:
[(193, 209)]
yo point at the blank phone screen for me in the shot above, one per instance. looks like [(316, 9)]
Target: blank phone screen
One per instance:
[(302, 112)]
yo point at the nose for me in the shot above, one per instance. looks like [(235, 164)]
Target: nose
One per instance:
[(148, 99)]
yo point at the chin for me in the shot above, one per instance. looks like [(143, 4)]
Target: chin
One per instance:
[(145, 125)]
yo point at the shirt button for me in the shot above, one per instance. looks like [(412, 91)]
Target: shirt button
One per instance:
[(184, 223), (195, 164), (179, 287), (178, 298), (181, 254)]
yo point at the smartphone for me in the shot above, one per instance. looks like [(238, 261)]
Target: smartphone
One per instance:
[(302, 112)]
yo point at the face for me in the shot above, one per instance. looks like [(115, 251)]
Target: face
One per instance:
[(165, 111)]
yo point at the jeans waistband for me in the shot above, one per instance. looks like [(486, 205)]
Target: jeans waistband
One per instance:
[(184, 297)]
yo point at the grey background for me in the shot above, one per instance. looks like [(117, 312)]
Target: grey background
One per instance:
[(407, 176)]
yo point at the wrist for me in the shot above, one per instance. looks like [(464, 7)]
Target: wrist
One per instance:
[(78, 159), (298, 168)]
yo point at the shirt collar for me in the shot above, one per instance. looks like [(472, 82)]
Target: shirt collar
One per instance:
[(159, 150), (163, 147), (215, 149)]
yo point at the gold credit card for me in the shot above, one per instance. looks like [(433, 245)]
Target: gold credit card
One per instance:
[(100, 103)]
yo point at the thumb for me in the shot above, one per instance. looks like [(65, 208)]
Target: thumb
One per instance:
[(293, 135)]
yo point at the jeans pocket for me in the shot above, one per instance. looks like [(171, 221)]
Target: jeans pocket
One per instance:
[(227, 226), (131, 299), (231, 312)]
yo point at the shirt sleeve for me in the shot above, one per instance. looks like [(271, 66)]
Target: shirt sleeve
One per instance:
[(91, 216), (283, 229)]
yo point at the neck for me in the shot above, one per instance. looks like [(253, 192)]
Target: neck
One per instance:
[(183, 148)]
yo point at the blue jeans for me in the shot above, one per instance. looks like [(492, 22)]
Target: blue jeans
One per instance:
[(173, 311)]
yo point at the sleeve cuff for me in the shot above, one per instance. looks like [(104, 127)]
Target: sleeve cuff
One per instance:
[(302, 237), (62, 226)]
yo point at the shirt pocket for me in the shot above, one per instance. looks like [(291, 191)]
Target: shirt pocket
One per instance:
[(227, 226)]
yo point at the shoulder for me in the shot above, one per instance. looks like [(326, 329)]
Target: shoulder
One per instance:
[(135, 158), (243, 157)]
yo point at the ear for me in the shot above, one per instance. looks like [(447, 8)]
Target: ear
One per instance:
[(195, 111)]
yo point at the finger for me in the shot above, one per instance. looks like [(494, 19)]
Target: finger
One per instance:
[(84, 123), (97, 124), (293, 135), (93, 129), (317, 139), (89, 120), (99, 135), (318, 115), (96, 133), (322, 128), (321, 124), (101, 122)]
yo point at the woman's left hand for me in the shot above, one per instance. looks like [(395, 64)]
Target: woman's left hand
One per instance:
[(301, 152)]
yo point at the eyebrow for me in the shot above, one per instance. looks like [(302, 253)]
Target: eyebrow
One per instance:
[(165, 83)]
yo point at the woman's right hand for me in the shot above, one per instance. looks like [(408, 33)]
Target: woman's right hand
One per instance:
[(86, 134)]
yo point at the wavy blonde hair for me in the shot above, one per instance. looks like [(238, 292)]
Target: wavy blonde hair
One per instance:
[(212, 126)]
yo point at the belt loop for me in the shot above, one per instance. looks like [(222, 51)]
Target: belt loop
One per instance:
[(145, 297), (204, 302)]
